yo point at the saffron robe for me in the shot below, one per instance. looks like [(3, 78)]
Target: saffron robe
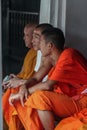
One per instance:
[(28, 65), (26, 72)]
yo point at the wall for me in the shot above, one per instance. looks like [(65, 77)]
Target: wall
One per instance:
[(76, 25), (44, 11), (53, 12)]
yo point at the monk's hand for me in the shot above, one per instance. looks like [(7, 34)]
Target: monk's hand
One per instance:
[(21, 96), (13, 76), (13, 83), (13, 97), (23, 92)]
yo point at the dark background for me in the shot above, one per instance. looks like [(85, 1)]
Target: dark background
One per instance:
[(15, 14)]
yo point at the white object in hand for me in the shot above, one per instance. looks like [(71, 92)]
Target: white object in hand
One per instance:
[(6, 78)]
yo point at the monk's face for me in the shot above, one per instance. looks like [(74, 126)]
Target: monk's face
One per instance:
[(45, 47), (28, 37), (36, 39)]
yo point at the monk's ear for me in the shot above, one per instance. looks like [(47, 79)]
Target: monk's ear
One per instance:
[(50, 45)]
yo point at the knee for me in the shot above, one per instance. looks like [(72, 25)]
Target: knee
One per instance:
[(37, 96), (37, 100)]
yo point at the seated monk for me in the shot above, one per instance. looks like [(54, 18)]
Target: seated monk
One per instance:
[(62, 94), (28, 66), (44, 68)]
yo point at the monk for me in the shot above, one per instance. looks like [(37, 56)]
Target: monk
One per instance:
[(64, 91), (28, 66), (44, 68)]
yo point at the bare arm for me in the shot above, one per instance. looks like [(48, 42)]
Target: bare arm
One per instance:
[(41, 73), (48, 85), (23, 93)]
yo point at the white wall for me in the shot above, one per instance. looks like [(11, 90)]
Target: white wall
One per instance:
[(54, 12), (62, 15), (44, 11), (0, 73)]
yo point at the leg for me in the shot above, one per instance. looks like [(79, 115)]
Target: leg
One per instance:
[(45, 102), (60, 104), (47, 119)]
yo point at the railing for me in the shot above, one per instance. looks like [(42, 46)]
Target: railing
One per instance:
[(17, 21), (16, 50)]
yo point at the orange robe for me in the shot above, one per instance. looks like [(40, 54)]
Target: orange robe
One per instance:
[(77, 121), (71, 73), (26, 72)]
